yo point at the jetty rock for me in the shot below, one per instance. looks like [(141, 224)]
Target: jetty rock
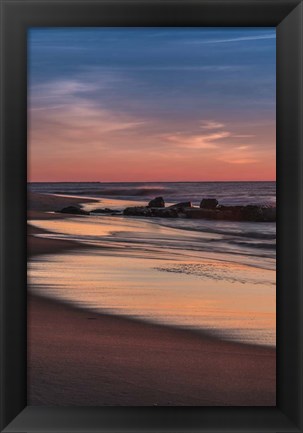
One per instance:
[(106, 210), (209, 203), (181, 206), (252, 213), (157, 202), (75, 210), (165, 212), (269, 214), (209, 209), (145, 211)]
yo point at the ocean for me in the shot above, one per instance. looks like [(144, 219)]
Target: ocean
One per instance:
[(227, 193)]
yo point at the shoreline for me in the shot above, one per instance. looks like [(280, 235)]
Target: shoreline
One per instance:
[(39, 207), (123, 362), (132, 362)]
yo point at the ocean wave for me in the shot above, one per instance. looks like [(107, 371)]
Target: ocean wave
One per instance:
[(136, 192), (240, 243), (219, 231), (261, 245)]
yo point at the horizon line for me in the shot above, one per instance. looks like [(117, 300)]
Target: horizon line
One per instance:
[(150, 181)]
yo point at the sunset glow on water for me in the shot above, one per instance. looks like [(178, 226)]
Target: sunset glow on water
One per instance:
[(166, 275)]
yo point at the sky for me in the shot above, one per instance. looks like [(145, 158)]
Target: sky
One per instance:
[(151, 104)]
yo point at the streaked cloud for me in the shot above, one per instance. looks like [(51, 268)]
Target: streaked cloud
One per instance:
[(239, 39), (200, 141), (210, 124)]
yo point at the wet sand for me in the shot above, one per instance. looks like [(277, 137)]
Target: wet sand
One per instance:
[(80, 358), (48, 202), (40, 207)]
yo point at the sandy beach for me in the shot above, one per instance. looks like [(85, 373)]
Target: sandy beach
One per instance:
[(76, 357)]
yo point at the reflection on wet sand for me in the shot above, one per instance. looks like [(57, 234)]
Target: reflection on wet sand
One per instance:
[(166, 275)]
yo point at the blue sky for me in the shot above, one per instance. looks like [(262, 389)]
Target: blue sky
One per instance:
[(204, 94)]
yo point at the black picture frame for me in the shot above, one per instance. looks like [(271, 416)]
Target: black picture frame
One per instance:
[(16, 17)]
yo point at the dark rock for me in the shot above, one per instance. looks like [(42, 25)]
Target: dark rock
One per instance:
[(105, 210), (181, 206), (269, 214), (143, 211), (208, 203), (198, 213), (252, 213), (157, 202), (165, 213), (229, 213), (242, 213), (138, 211), (76, 210)]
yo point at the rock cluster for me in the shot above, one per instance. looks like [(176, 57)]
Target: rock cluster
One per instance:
[(105, 210), (75, 210), (174, 211), (209, 209)]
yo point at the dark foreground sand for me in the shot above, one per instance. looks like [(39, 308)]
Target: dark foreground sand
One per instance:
[(80, 358)]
